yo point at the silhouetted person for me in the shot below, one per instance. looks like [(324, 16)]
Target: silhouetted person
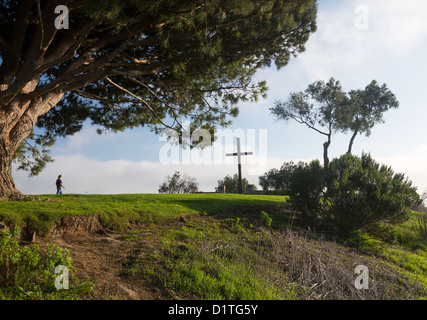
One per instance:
[(59, 185)]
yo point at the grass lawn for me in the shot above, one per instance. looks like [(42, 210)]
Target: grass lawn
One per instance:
[(117, 210)]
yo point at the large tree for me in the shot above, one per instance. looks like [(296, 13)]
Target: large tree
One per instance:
[(127, 63)]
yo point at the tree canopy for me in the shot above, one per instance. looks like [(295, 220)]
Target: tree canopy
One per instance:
[(319, 107), (277, 179), (326, 108), (122, 64), (366, 109), (179, 184), (231, 184)]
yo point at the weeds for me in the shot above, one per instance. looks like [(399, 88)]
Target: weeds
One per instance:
[(210, 261), (422, 225), (28, 272), (265, 219), (326, 270)]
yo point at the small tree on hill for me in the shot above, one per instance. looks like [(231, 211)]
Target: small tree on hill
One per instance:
[(179, 184), (231, 184), (277, 179), (318, 107)]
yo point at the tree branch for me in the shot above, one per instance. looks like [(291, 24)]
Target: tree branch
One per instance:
[(105, 40), (299, 119), (39, 12), (21, 24), (19, 83), (140, 99), (156, 97), (4, 46), (101, 99)]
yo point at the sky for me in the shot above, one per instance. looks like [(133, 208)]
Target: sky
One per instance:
[(355, 42)]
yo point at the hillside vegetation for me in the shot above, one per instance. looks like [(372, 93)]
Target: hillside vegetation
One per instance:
[(202, 246)]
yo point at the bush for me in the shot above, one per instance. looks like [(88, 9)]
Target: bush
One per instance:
[(29, 273), (363, 192), (231, 184), (277, 181), (306, 191), (351, 194)]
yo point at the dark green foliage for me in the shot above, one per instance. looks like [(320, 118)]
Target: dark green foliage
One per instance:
[(231, 184), (351, 194), (361, 192), (306, 191), (277, 180), (29, 272)]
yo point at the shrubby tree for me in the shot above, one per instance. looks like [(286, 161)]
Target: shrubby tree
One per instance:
[(123, 64), (363, 192), (352, 193), (277, 179), (307, 191), (231, 184), (179, 184)]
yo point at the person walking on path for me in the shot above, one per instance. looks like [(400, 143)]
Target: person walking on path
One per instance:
[(59, 185)]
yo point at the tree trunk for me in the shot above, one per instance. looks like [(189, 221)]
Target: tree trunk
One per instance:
[(325, 153), (352, 140), (17, 120), (8, 190)]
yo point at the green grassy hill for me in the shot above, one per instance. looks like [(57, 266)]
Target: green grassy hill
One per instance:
[(214, 246)]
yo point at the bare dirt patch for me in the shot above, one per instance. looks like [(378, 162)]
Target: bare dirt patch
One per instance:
[(97, 256)]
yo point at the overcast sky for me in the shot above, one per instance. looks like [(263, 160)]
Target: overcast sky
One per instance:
[(356, 42)]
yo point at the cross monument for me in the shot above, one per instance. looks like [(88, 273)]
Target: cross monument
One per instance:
[(239, 163)]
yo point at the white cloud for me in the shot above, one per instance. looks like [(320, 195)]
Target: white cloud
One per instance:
[(412, 164), (83, 175), (400, 26), (341, 47), (79, 140)]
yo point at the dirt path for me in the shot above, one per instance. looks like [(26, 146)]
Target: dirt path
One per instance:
[(99, 257)]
